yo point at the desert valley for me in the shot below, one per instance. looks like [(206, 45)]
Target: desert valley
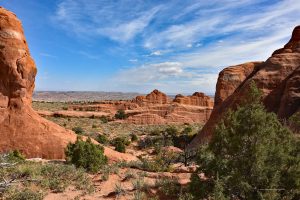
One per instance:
[(243, 143)]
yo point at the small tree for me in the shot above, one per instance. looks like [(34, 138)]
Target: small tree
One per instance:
[(85, 154), (102, 139), (251, 156), (121, 114), (78, 130), (120, 146)]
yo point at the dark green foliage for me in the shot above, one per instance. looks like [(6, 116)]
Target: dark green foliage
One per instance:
[(104, 119), (123, 140), (134, 137), (250, 156), (85, 154), (294, 122), (119, 145), (121, 114), (25, 194), (15, 156), (102, 139), (78, 130), (62, 176), (187, 130), (171, 131)]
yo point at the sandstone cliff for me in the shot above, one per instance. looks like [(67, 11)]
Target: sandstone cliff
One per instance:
[(21, 128), (155, 97), (278, 78), (154, 108), (197, 99)]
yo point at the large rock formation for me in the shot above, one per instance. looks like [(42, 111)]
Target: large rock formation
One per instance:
[(278, 78), (154, 108), (230, 78), (155, 97), (197, 99), (21, 128)]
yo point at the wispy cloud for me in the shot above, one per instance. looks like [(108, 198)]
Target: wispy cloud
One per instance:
[(89, 55), (47, 55), (171, 40)]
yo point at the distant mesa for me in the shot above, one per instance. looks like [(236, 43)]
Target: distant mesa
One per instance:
[(153, 108), (278, 78), (197, 99), (155, 97)]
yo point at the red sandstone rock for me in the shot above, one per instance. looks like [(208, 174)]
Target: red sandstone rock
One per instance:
[(230, 78), (21, 128), (197, 99), (155, 97), (278, 78)]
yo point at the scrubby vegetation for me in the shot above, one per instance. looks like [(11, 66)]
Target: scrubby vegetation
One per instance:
[(250, 156), (85, 154), (121, 114), (26, 180), (78, 130)]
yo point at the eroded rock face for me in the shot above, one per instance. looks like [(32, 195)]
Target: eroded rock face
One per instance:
[(278, 78), (232, 77), (20, 127), (197, 99), (155, 97), (154, 108)]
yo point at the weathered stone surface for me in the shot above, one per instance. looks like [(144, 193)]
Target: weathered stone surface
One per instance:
[(21, 128), (197, 99), (155, 97), (278, 78), (154, 108), (232, 77)]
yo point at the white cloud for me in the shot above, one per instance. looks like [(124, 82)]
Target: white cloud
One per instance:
[(133, 60), (156, 53), (47, 55), (119, 21), (193, 34)]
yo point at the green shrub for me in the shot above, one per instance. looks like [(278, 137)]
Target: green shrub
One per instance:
[(294, 122), (59, 177), (85, 154), (251, 156), (123, 140), (134, 137), (24, 194), (15, 156), (78, 130), (120, 146), (104, 119), (171, 131), (102, 139), (187, 130), (121, 114)]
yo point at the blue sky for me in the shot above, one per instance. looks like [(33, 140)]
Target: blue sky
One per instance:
[(177, 46)]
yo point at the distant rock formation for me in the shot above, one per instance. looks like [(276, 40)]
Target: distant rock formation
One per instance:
[(154, 108), (155, 97), (197, 99), (278, 78)]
